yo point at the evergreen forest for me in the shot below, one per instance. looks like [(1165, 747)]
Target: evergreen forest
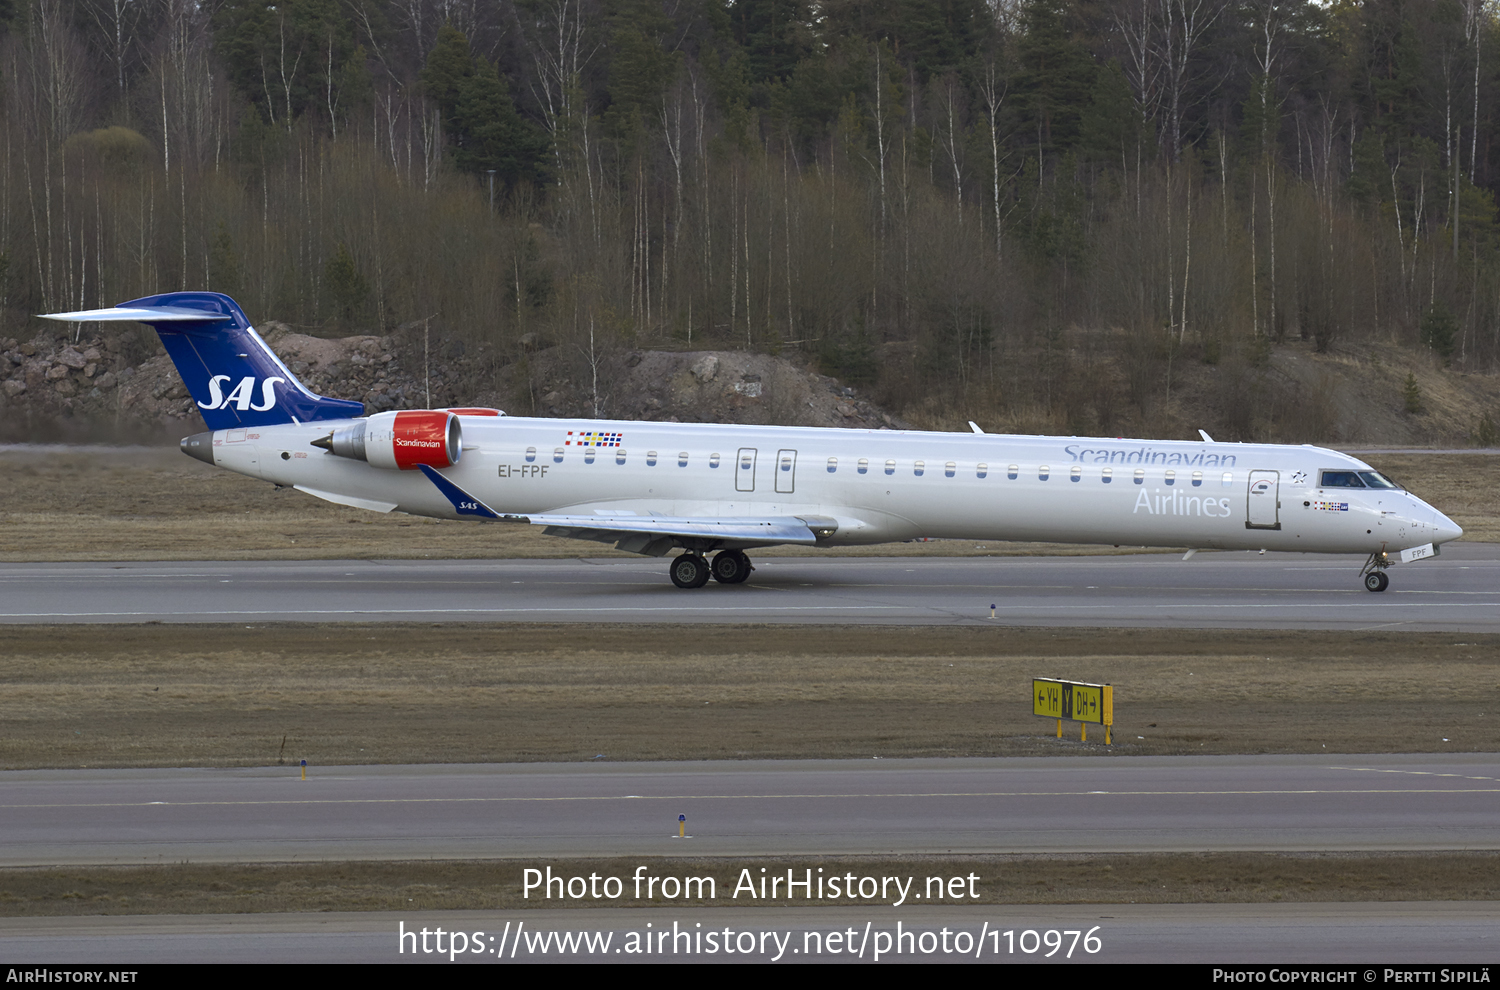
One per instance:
[(1044, 208)]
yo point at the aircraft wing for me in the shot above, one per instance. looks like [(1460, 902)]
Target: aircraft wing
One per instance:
[(650, 535), (655, 535)]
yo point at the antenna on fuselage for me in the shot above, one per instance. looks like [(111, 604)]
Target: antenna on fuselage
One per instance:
[(1206, 437)]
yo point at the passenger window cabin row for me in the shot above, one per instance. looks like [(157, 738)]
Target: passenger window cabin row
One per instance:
[(982, 470)]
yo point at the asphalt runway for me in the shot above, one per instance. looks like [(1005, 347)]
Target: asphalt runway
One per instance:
[(1282, 803), (763, 808), (1432, 933), (1459, 591)]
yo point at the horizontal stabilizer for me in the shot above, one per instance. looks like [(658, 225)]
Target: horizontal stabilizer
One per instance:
[(138, 314)]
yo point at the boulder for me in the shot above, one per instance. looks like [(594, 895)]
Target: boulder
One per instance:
[(705, 369)]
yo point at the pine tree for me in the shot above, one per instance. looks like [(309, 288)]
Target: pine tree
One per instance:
[(1057, 75), (1487, 433), (481, 119), (345, 282), (449, 66), (493, 135), (1439, 329), (773, 35), (1411, 394), (223, 262)]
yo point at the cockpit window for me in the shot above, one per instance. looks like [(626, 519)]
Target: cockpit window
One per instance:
[(1377, 480), (1341, 479)]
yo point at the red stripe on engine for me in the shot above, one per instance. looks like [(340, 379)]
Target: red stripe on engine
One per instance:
[(421, 437)]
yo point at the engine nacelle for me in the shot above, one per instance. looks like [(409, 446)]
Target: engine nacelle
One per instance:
[(401, 440)]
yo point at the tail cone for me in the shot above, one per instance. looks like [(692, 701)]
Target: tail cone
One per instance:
[(199, 445)]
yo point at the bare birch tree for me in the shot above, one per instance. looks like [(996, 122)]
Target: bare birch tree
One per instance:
[(118, 21), (556, 35), (992, 90), (1183, 26)]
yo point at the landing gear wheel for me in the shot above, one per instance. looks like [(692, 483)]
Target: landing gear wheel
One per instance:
[(689, 571), (1376, 581), (731, 567)]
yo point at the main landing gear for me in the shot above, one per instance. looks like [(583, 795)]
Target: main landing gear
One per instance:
[(1374, 572), (729, 567)]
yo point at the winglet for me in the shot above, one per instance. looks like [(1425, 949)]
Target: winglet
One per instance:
[(463, 503)]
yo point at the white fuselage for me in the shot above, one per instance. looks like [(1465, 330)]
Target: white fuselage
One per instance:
[(880, 486)]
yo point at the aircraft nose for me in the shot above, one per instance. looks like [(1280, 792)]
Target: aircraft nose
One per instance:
[(1445, 529)]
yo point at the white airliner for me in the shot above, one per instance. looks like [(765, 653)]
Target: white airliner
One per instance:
[(720, 490)]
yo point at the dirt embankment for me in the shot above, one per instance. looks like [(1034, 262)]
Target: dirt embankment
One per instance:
[(114, 382), (111, 385), (691, 387), (100, 386)]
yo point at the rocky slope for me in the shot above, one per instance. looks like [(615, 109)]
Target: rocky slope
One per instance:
[(53, 387), (116, 383)]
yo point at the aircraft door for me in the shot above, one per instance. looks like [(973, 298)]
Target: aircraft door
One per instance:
[(786, 471), (1262, 500), (744, 470)]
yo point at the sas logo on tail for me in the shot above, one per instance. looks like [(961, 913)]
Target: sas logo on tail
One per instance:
[(241, 395)]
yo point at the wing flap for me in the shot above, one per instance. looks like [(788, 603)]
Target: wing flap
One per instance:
[(606, 528), (650, 535)]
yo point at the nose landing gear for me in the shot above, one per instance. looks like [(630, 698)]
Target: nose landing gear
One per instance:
[(1374, 572)]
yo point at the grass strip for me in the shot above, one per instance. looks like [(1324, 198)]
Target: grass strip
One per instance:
[(351, 693), (1194, 878)]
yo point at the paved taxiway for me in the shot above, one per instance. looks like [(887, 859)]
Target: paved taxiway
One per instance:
[(1442, 933), (1459, 591), (1060, 804)]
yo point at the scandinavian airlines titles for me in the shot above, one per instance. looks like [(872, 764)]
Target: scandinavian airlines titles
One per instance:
[(1147, 455)]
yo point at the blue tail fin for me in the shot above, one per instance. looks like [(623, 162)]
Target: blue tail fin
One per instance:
[(228, 369)]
